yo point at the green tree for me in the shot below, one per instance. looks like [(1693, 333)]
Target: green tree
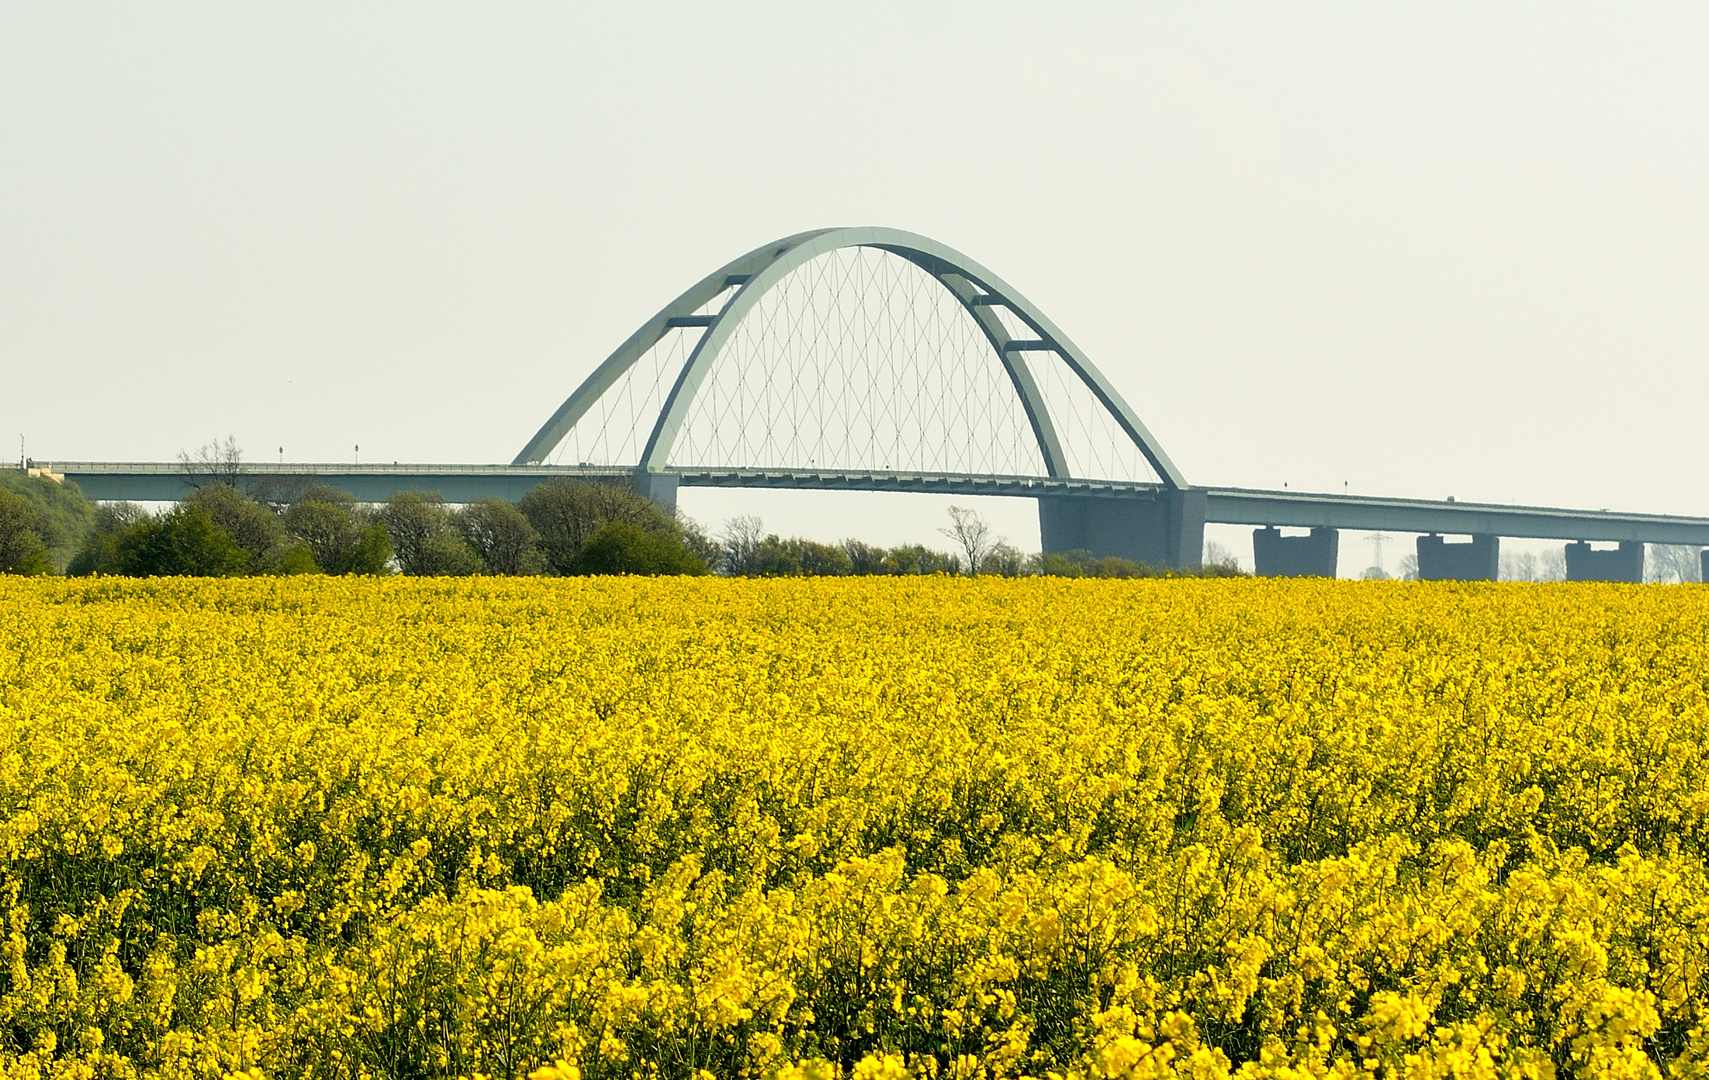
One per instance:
[(444, 555), (696, 539), (822, 560), (864, 558), (64, 518), (293, 558), (21, 548), (372, 554), (503, 539), (184, 542), (919, 559), (339, 536), (618, 547), (1057, 564), (423, 537), (100, 551), (1082, 563), (566, 514), (1004, 560), (776, 557), (256, 528)]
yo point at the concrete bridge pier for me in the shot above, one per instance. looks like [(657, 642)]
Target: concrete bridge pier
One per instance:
[(661, 487), (1703, 564), (1275, 555), (1163, 529), (1439, 560), (1625, 563)]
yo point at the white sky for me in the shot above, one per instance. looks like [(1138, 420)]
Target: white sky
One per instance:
[(1422, 249)]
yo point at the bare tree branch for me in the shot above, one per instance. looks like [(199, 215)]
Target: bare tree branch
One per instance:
[(218, 462), (970, 531)]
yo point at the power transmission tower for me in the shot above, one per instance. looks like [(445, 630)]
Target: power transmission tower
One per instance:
[(1378, 539)]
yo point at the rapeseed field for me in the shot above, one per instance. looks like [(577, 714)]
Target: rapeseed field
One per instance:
[(867, 828)]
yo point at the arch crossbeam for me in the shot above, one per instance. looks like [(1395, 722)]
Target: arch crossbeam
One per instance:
[(979, 292)]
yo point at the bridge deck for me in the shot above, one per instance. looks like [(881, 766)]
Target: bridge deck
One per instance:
[(166, 481)]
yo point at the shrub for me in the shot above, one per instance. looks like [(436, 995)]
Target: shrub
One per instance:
[(567, 513), (64, 519), (338, 537), (822, 560), (795, 557), (1082, 563), (620, 548), (423, 538), (919, 559), (21, 548), (99, 553), (1004, 560), (865, 558), (256, 528), (501, 537), (294, 558), (184, 542), (444, 555)]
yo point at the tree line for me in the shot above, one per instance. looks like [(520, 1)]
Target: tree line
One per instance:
[(234, 524), (563, 527)]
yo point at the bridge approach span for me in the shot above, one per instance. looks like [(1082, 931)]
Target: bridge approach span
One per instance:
[(167, 481)]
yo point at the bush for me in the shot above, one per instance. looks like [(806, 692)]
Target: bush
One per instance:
[(63, 518), (822, 560), (1222, 569), (1004, 560), (184, 542), (748, 552), (1082, 563), (21, 548), (620, 548), (256, 528), (99, 553), (444, 555), (795, 557), (422, 535), (294, 558), (696, 539), (919, 559), (339, 538), (865, 558), (502, 538), (567, 513)]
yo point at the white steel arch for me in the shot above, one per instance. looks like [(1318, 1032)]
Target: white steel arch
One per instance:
[(977, 289)]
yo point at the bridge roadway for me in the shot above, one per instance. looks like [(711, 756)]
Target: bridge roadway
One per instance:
[(167, 481)]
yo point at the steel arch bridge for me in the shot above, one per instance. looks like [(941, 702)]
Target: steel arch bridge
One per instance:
[(716, 306), (806, 363), (881, 360)]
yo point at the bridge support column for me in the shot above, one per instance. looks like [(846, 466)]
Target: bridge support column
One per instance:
[(1275, 555), (1703, 564), (1166, 528), (1439, 560), (1625, 563), (659, 487)]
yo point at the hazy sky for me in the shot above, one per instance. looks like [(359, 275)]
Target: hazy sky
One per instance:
[(1423, 249)]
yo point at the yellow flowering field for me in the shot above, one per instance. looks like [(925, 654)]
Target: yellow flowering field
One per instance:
[(335, 827)]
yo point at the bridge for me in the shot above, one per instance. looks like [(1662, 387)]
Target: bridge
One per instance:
[(870, 359)]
